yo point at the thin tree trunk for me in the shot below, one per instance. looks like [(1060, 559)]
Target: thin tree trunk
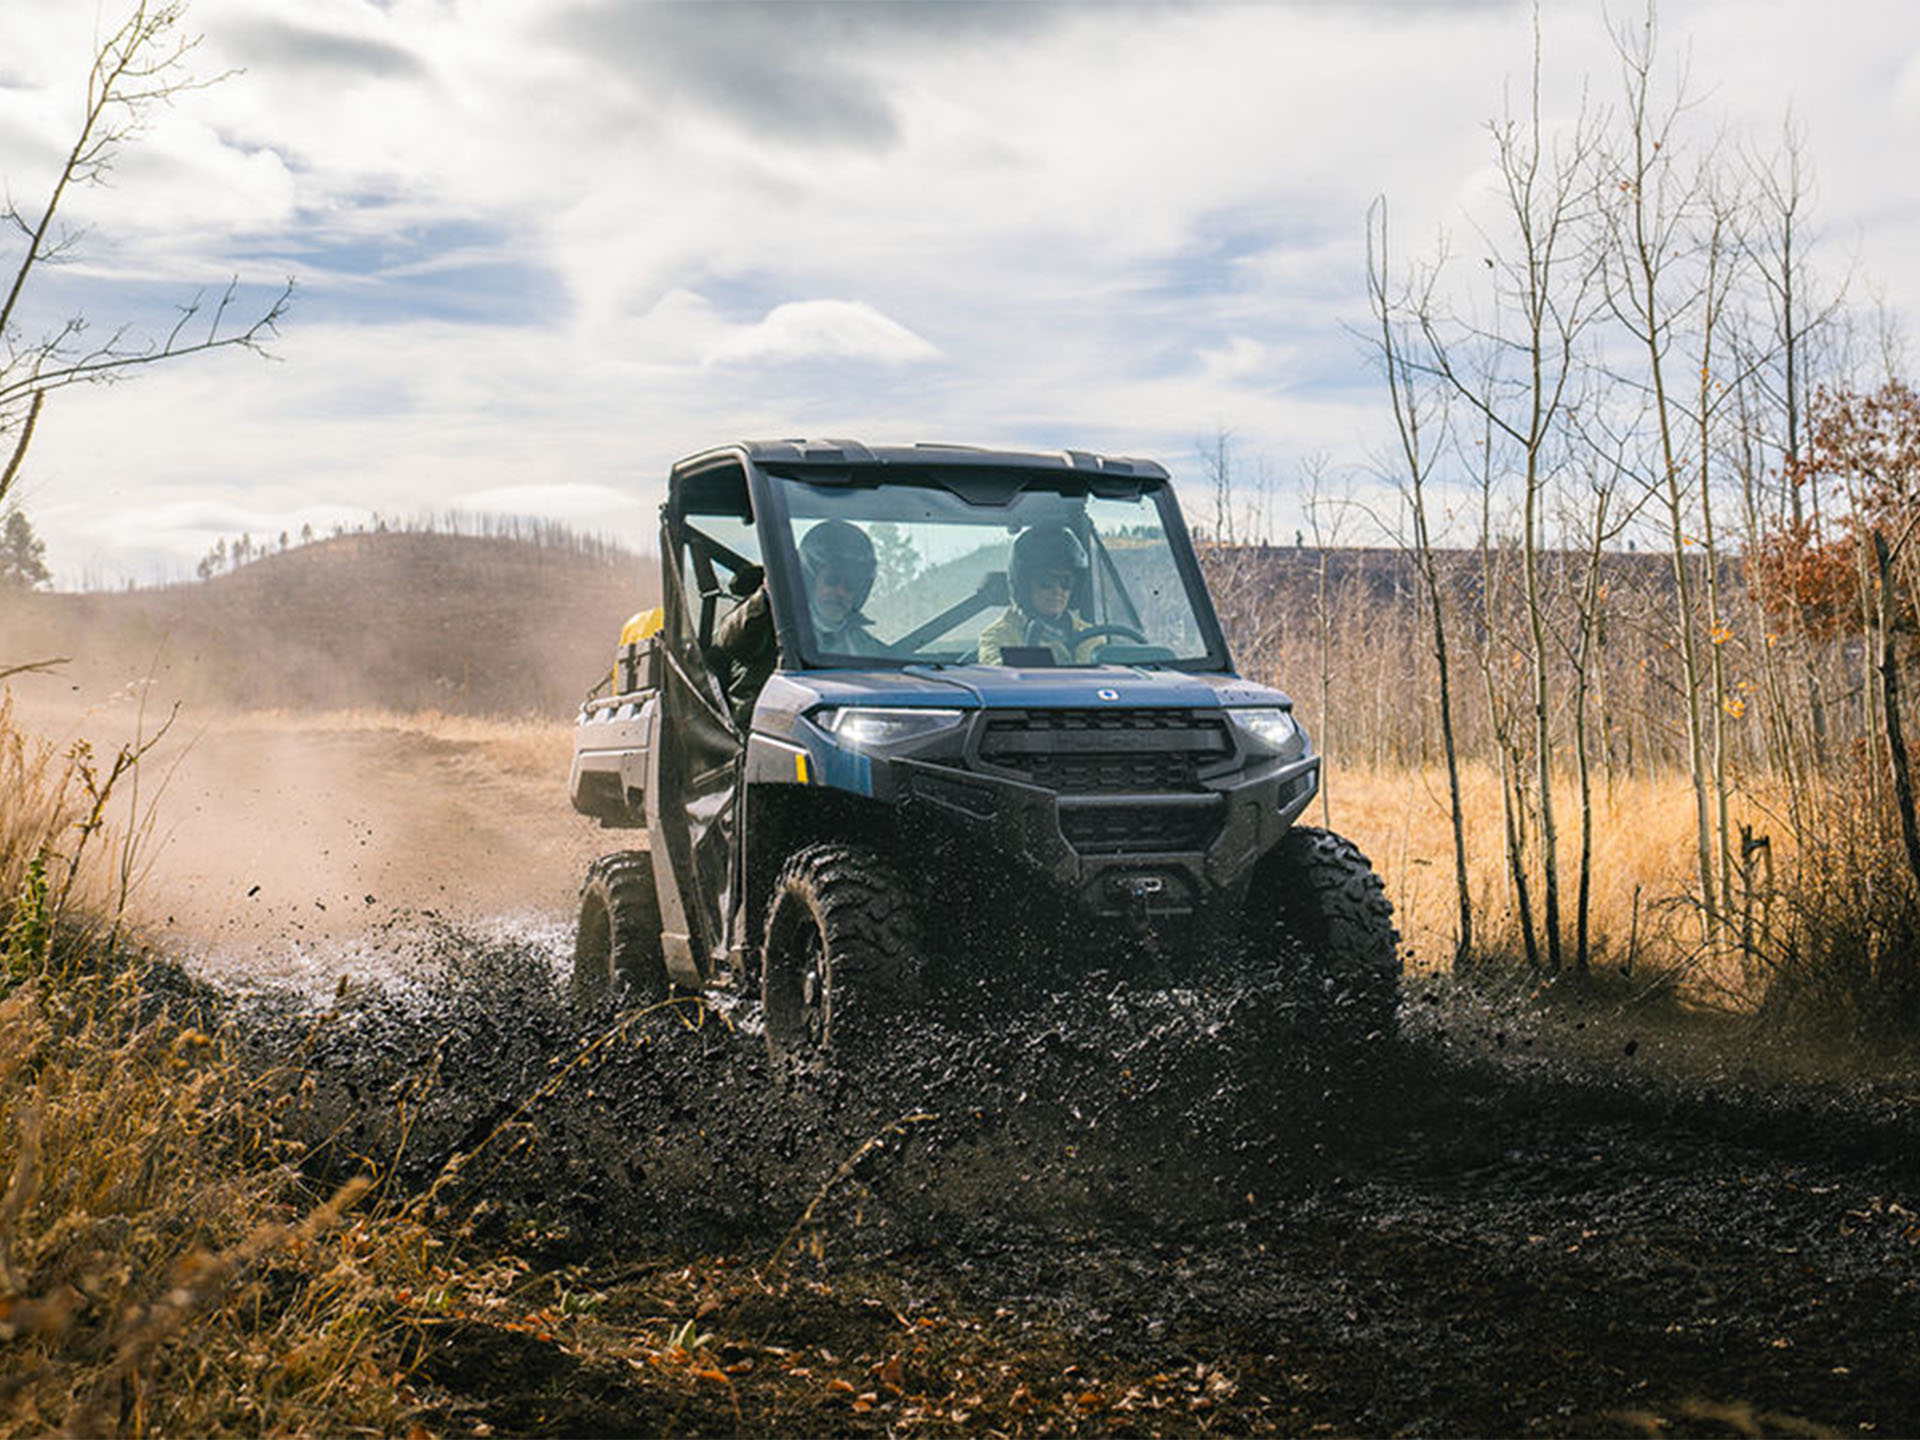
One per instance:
[(1890, 690), (1583, 665), (1407, 418), (1456, 807), (1542, 716)]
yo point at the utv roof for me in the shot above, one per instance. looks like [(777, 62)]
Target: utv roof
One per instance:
[(838, 454)]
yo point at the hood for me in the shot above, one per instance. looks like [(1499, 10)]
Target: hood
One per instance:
[(1000, 687)]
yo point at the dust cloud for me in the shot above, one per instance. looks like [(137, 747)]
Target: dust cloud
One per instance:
[(342, 768), (282, 847)]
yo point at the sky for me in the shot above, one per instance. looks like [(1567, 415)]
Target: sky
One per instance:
[(542, 248)]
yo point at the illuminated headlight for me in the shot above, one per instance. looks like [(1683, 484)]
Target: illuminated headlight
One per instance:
[(1271, 726), (859, 726)]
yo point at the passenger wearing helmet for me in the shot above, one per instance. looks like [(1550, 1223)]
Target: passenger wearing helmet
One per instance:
[(837, 565), (1048, 564)]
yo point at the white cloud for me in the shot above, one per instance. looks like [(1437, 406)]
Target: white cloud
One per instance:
[(563, 501), (822, 329), (1241, 358)]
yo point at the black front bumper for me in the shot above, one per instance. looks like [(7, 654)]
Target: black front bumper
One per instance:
[(1135, 856)]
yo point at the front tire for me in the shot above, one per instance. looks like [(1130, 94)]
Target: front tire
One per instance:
[(1318, 891), (841, 955), (617, 946)]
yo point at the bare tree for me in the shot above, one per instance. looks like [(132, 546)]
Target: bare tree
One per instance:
[(1668, 254), (138, 66), (1522, 374), (1418, 410), (1326, 517), (1216, 457)]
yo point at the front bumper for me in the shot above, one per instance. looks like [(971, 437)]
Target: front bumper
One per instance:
[(1138, 856)]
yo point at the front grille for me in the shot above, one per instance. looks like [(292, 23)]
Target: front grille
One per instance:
[(1106, 752), (1138, 829)]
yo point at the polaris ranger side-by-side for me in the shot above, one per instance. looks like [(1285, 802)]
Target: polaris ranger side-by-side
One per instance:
[(919, 709)]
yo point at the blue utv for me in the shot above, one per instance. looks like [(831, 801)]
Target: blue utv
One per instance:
[(917, 715)]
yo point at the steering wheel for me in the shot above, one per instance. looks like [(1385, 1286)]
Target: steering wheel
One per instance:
[(1100, 632)]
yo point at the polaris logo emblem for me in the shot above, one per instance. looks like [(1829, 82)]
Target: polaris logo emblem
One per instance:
[(1108, 694)]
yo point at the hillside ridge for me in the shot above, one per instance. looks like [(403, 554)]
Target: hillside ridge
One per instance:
[(404, 620)]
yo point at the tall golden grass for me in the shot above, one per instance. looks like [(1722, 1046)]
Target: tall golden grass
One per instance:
[(37, 804), (1823, 931), (163, 1269), (1640, 917)]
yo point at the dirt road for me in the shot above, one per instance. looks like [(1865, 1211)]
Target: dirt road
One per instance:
[(276, 846)]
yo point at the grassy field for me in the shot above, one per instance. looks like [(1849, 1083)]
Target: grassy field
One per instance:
[(1642, 858)]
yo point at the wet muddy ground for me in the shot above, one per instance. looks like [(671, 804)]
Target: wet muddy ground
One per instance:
[(1119, 1208)]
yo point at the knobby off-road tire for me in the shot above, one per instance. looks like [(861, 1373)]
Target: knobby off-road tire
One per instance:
[(617, 947), (1317, 891), (841, 956)]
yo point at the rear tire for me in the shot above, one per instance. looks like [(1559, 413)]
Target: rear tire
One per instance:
[(841, 955), (1316, 890), (617, 948)]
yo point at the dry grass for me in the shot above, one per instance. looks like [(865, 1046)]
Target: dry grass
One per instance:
[(162, 1267), (1842, 952), (1829, 936), (36, 800), (527, 746), (157, 1275), (1641, 915)]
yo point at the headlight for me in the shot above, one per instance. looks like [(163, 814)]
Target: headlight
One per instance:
[(1270, 725), (859, 727)]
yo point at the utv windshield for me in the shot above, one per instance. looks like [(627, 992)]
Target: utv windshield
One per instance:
[(1012, 567)]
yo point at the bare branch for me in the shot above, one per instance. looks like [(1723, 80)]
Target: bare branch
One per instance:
[(113, 360), (34, 667), (20, 445), (138, 65)]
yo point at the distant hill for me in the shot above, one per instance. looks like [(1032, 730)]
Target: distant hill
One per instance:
[(462, 624), (524, 625)]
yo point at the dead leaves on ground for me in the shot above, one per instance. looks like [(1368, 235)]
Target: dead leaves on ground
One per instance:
[(713, 1332)]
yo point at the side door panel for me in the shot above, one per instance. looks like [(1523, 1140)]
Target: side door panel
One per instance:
[(692, 803)]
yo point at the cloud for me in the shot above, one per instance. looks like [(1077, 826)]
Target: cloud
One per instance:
[(1241, 358), (816, 329), (302, 48), (806, 72), (546, 246), (566, 501)]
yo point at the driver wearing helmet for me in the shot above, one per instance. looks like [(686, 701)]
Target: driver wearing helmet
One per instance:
[(1048, 565), (837, 563), (837, 567)]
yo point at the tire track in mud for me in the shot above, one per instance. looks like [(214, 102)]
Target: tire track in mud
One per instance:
[(1101, 1101), (1479, 1231)]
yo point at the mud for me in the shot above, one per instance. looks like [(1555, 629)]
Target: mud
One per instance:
[(1097, 1204), (1525, 1216)]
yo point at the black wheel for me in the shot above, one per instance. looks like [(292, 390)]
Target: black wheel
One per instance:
[(1319, 892), (841, 954), (617, 947)]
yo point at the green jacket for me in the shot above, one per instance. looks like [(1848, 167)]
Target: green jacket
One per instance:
[(746, 638), (1016, 628)]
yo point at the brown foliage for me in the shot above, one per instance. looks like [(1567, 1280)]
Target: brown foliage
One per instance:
[(1869, 446), (1862, 467), (1808, 583)]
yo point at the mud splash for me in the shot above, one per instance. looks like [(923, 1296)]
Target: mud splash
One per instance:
[(1522, 1217), (1102, 1102)]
